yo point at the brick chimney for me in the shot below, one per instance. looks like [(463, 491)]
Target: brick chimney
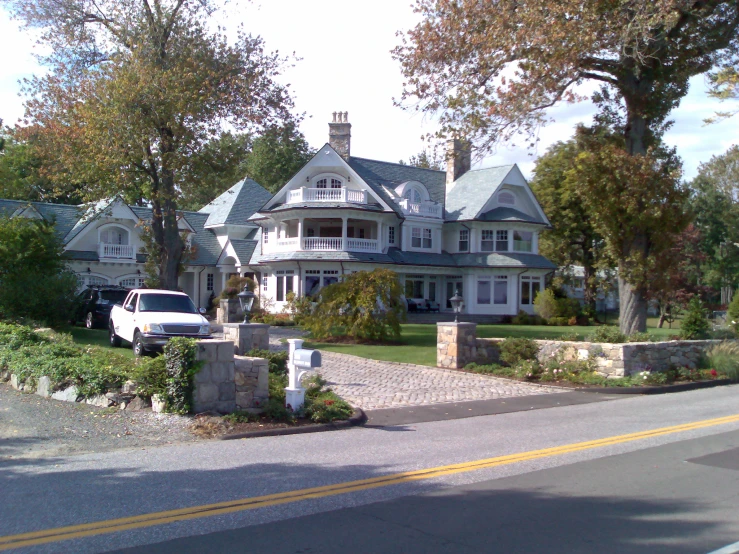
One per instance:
[(458, 160), (340, 134)]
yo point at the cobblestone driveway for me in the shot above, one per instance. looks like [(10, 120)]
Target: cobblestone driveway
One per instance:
[(372, 385)]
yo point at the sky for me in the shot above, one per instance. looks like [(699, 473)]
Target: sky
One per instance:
[(345, 65)]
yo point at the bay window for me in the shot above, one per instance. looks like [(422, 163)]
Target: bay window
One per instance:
[(522, 241)]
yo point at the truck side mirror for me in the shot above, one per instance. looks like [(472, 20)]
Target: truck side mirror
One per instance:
[(128, 308), (201, 311)]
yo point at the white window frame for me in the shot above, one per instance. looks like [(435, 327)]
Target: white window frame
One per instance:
[(464, 237), (501, 237), (210, 282), (517, 242), (485, 284), (500, 279), (391, 235), (487, 235)]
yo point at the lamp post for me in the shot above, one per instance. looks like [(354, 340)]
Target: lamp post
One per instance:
[(457, 303), (246, 299)]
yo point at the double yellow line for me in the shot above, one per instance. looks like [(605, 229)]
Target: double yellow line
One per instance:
[(206, 510)]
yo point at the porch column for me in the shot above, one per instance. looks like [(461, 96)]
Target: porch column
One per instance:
[(343, 232), (535, 243), (379, 236), (300, 233), (223, 280)]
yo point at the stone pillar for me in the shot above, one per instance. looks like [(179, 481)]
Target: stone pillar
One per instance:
[(252, 388), (230, 311), (455, 344), (247, 336), (215, 389)]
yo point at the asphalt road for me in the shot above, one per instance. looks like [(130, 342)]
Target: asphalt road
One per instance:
[(672, 491)]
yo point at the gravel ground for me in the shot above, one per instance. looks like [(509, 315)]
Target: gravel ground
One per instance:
[(36, 427)]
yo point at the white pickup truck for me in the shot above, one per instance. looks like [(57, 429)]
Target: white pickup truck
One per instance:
[(148, 318)]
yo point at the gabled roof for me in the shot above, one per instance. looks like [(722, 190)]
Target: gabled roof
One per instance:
[(244, 249), (376, 174), (507, 214), (205, 242), (65, 215), (472, 191), (237, 204)]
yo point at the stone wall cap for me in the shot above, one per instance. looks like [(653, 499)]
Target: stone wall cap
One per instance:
[(214, 341), (252, 325), (455, 324)]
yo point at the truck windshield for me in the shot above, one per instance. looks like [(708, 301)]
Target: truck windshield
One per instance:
[(166, 303), (112, 296)]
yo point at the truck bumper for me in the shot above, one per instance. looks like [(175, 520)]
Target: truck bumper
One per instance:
[(157, 342)]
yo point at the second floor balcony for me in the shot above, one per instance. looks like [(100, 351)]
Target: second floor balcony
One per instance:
[(327, 235), (116, 251), (422, 209), (340, 194)]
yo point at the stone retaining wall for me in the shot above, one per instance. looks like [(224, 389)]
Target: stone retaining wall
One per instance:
[(458, 345), (229, 311)]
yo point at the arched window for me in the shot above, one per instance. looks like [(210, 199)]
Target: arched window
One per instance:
[(114, 235), (506, 198), (321, 183), (335, 184), (413, 195)]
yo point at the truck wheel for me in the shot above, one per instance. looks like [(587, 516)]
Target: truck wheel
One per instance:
[(138, 345), (89, 321), (115, 340)]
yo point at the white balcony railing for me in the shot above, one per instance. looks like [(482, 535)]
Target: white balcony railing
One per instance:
[(342, 194), (423, 209), (323, 243), (326, 244), (116, 251)]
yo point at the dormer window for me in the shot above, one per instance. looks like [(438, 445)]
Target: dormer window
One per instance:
[(413, 195), (506, 198), (326, 182)]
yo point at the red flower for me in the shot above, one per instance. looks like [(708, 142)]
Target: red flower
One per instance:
[(714, 372), (328, 402)]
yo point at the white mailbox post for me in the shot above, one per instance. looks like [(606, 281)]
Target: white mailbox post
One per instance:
[(299, 362)]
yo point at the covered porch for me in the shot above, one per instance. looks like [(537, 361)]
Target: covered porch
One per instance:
[(329, 234)]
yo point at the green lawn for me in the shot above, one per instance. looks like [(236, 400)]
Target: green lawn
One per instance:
[(418, 343), (94, 337)]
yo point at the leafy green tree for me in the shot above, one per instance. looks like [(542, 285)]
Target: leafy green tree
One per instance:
[(573, 240), (34, 280), (695, 324), (277, 155), (638, 205), (490, 70), (135, 92), (724, 85), (715, 203), (366, 305)]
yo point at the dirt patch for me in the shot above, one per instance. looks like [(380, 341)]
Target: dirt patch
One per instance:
[(36, 427)]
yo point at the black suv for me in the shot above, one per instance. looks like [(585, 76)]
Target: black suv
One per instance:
[(95, 302)]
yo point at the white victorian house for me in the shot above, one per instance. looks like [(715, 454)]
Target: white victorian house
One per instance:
[(475, 231)]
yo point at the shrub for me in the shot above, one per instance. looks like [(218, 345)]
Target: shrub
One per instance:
[(608, 333), (515, 350), (723, 334), (724, 358), (277, 360), (521, 319), (545, 304), (34, 280), (366, 305), (558, 321), (297, 307), (695, 324), (235, 285), (181, 365), (151, 376)]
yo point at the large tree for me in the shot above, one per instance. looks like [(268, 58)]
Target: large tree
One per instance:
[(490, 70), (639, 207), (277, 155), (573, 240), (135, 92), (715, 202)]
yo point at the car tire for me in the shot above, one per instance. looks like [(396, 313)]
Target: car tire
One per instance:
[(89, 321), (138, 345), (115, 340)]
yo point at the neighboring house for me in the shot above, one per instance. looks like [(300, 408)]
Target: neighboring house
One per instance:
[(606, 297), (475, 231)]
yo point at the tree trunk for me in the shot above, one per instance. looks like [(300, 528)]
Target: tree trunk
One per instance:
[(172, 247), (633, 307)]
